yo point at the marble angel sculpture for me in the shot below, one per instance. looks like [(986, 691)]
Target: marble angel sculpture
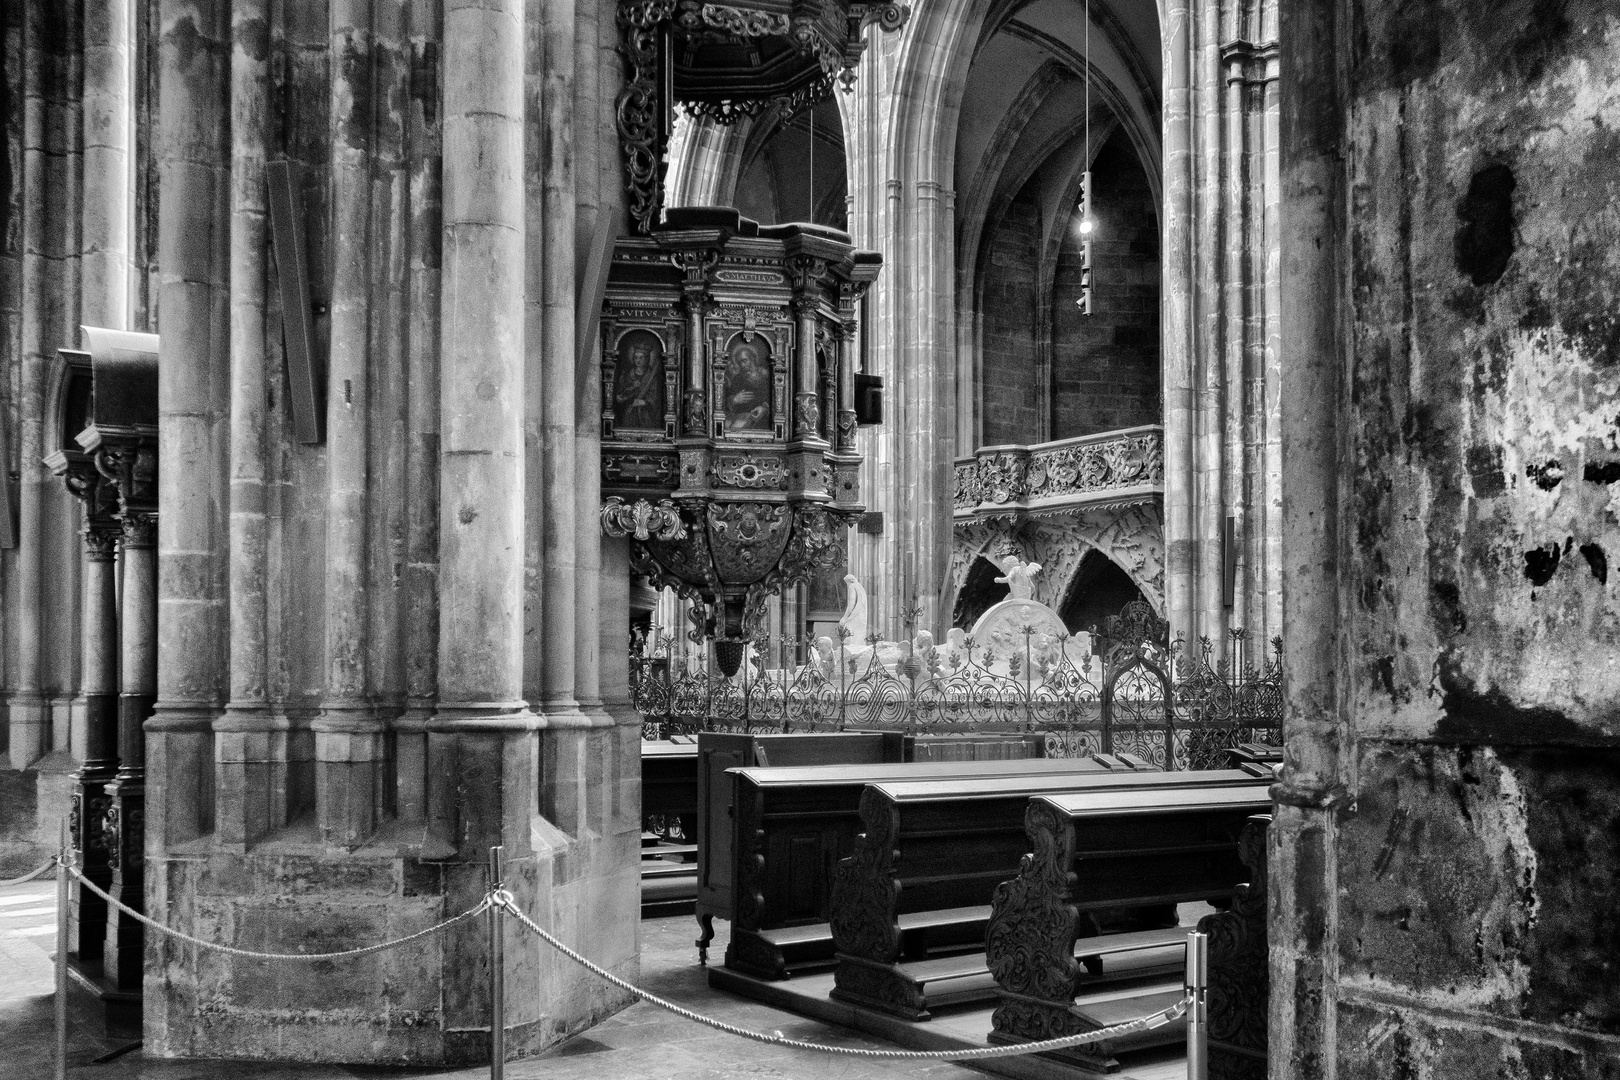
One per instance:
[(1019, 577)]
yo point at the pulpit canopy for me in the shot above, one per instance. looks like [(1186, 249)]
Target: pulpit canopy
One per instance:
[(726, 60)]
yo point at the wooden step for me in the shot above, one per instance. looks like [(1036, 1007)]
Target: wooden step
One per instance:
[(913, 987), (661, 871), (670, 852), (944, 917)]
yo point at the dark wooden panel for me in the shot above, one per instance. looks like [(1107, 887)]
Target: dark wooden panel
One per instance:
[(1091, 851), (935, 845), (719, 752)]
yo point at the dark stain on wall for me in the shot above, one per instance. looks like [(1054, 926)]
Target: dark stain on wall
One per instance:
[(1445, 606), (1601, 472), (1572, 818), (1541, 563), (1438, 898), (1485, 237), (1485, 470), (1547, 475), (1542, 37), (1406, 48), (1597, 560), (1487, 716)]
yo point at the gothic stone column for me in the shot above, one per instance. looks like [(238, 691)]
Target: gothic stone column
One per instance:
[(482, 750)]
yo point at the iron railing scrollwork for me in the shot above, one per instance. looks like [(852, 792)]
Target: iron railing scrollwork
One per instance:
[(1125, 690)]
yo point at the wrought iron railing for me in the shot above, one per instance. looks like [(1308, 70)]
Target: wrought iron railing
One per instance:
[(1118, 690), (1001, 479)]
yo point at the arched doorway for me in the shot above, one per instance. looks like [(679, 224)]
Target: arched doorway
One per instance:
[(1098, 590)]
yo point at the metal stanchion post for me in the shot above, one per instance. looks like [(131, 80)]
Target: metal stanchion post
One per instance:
[(1198, 1006), (61, 955), (497, 973)]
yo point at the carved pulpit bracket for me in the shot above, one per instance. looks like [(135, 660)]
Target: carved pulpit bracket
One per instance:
[(728, 59), (727, 380)]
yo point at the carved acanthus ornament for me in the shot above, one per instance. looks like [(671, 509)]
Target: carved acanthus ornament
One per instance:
[(642, 519), (865, 891)]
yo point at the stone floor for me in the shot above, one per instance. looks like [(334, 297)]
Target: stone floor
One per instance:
[(641, 1043)]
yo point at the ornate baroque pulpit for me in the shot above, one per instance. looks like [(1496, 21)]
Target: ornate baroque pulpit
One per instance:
[(728, 348), (728, 410)]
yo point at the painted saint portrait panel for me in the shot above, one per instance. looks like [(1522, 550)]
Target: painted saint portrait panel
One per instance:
[(638, 382), (747, 401)]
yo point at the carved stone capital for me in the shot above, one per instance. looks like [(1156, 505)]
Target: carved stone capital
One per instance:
[(101, 540), (140, 529), (695, 267), (806, 272)]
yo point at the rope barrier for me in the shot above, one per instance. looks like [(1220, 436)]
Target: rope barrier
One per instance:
[(498, 900), (38, 871), (251, 955), (505, 901)]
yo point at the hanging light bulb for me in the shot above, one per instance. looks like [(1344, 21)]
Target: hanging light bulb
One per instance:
[(1087, 226)]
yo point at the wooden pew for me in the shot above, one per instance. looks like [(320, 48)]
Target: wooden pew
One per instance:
[(669, 787), (669, 803), (719, 752), (1261, 759), (1095, 851), (791, 828), (1239, 969), (919, 880)]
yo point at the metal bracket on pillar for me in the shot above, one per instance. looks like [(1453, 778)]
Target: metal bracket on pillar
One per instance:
[(285, 183)]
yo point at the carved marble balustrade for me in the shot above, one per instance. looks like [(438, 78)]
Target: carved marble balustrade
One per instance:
[(1110, 467)]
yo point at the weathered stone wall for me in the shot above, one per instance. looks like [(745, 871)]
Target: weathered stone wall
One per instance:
[(1105, 366), (1451, 830), (1011, 400), (362, 685)]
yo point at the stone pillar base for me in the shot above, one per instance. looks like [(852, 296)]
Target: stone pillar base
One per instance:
[(426, 1003), (350, 755), (29, 717)]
